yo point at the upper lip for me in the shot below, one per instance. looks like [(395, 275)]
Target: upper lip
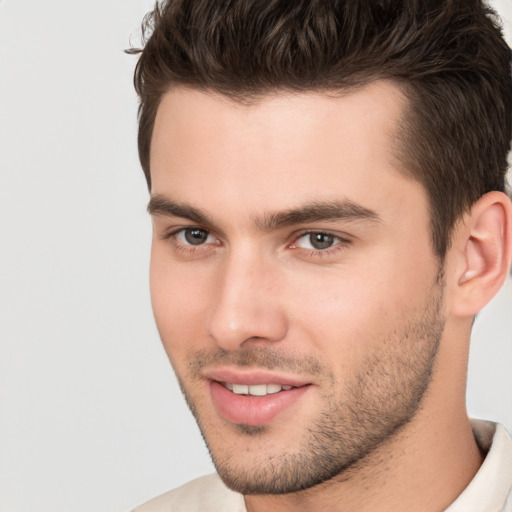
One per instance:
[(253, 377)]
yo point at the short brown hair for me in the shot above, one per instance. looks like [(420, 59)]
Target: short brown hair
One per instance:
[(448, 56)]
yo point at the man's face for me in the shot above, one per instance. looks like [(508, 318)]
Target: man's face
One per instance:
[(293, 281)]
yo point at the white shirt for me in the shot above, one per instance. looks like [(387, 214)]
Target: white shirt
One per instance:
[(489, 491), (491, 488)]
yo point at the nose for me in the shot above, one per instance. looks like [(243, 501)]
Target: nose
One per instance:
[(248, 308)]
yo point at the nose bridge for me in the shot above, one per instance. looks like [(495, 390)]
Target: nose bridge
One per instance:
[(247, 305)]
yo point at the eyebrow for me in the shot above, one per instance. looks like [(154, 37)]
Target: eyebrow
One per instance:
[(311, 212), (317, 211), (160, 205)]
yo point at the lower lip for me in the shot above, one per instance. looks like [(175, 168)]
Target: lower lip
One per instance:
[(252, 410)]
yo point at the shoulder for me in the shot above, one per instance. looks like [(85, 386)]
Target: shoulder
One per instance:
[(205, 494)]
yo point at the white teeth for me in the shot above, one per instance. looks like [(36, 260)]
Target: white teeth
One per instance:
[(273, 388), (240, 389), (256, 389)]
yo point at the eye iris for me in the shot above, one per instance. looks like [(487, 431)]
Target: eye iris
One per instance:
[(321, 240), (196, 236)]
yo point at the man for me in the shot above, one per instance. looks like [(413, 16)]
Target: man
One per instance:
[(327, 193)]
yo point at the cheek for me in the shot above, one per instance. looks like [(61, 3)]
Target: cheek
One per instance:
[(337, 316), (179, 301), (349, 309)]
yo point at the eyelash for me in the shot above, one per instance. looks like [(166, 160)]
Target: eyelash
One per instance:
[(340, 242), (182, 247)]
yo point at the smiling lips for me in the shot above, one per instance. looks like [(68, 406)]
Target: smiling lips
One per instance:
[(256, 389), (249, 400)]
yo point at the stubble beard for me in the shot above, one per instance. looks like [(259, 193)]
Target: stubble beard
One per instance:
[(382, 397)]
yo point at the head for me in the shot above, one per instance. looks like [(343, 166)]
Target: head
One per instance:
[(312, 165), (453, 69)]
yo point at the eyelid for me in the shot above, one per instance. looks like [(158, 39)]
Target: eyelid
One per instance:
[(343, 240), (171, 235), (342, 236), (182, 249), (180, 236), (174, 230)]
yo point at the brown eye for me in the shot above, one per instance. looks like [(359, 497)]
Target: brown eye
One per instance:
[(194, 236), (317, 241), (321, 240)]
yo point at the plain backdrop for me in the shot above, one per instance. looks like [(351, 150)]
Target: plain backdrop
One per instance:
[(91, 418)]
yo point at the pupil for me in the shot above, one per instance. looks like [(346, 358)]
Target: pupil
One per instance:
[(195, 236), (321, 240)]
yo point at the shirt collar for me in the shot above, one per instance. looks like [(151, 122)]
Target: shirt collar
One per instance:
[(492, 485)]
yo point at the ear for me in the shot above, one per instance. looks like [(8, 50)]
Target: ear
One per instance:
[(483, 252)]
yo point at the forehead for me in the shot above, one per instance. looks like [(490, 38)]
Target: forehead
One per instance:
[(280, 151)]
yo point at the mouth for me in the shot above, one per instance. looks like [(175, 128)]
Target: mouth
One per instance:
[(254, 398), (256, 389)]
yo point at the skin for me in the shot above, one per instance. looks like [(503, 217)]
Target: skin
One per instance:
[(374, 323)]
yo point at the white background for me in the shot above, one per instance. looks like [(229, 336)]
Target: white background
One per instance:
[(91, 418)]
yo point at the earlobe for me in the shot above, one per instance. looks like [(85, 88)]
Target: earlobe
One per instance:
[(486, 253)]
